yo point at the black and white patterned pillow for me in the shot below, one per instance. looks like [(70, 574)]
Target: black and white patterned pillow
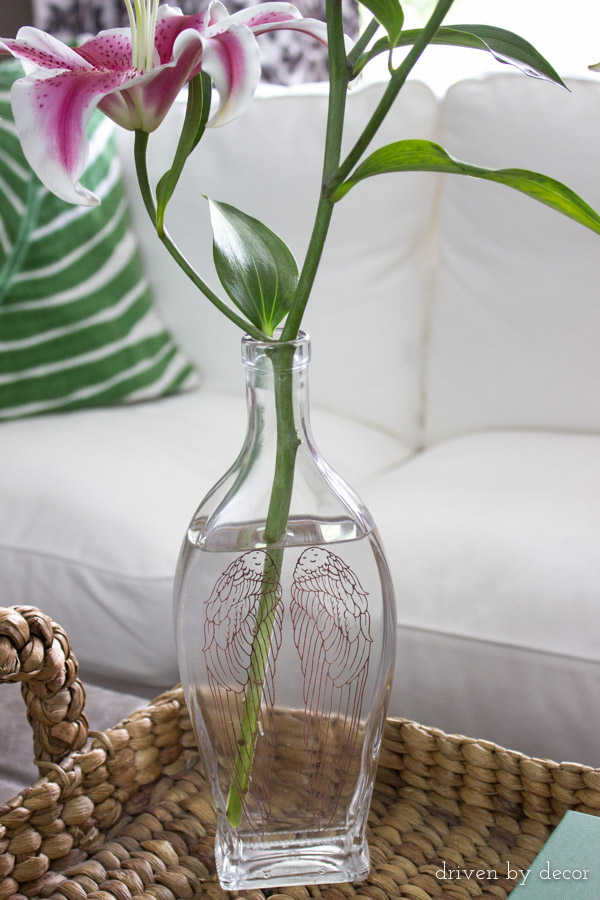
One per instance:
[(288, 57)]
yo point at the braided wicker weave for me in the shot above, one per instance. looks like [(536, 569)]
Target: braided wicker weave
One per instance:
[(128, 817)]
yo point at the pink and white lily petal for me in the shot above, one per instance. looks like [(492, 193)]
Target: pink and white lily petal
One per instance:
[(275, 16), (232, 59), (51, 113), (109, 50), (52, 107), (171, 22), (38, 50)]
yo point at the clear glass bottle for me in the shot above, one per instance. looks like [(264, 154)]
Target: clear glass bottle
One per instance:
[(285, 624)]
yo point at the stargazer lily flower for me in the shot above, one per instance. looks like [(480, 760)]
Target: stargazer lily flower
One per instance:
[(134, 75)]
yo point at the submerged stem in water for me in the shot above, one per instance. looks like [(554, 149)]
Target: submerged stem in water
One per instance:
[(274, 538)]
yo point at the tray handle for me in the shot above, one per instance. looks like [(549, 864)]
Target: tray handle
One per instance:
[(36, 651)]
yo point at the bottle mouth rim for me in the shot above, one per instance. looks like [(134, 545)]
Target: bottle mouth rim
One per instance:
[(302, 339), (254, 352)]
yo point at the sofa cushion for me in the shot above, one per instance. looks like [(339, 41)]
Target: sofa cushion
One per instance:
[(366, 314), (77, 327), (515, 321), (539, 703), (493, 542), (493, 537), (91, 527)]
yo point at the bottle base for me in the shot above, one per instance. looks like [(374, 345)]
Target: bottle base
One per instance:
[(268, 864)]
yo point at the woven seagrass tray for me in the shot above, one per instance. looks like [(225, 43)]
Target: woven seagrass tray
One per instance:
[(125, 814)]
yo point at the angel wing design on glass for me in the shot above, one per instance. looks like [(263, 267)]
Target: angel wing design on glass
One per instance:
[(244, 603), (332, 635)]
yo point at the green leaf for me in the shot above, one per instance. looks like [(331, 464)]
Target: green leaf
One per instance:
[(425, 156), (255, 267), (196, 115), (388, 13), (504, 46)]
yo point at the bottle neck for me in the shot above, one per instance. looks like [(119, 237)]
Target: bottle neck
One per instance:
[(278, 433), (277, 389)]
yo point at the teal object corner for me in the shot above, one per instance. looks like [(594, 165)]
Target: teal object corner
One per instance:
[(568, 865)]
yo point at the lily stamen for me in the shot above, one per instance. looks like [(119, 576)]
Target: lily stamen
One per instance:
[(152, 33), (142, 19)]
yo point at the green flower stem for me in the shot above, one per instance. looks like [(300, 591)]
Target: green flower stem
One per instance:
[(287, 446), (140, 150), (339, 76), (242, 767), (397, 80), (309, 270), (274, 536), (287, 438), (361, 44)]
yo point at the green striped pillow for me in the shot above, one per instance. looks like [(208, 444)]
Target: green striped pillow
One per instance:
[(77, 326)]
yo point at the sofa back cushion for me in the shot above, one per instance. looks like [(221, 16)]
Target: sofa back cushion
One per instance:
[(515, 320), (366, 312)]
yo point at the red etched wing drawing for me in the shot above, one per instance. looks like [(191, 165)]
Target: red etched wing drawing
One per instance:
[(332, 635), (247, 594)]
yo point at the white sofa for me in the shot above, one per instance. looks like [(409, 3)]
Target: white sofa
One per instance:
[(455, 384)]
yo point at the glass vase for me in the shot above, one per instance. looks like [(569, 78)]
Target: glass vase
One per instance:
[(285, 625)]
